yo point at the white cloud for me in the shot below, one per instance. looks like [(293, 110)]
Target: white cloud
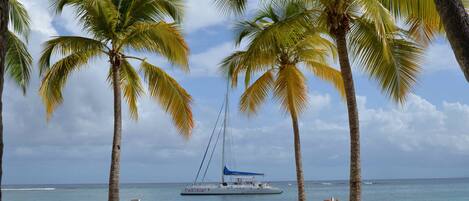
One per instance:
[(207, 63), (319, 101), (201, 14), (80, 133), (41, 18), (68, 20), (419, 125)]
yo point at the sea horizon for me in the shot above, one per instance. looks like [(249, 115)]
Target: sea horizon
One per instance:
[(307, 180), (421, 189)]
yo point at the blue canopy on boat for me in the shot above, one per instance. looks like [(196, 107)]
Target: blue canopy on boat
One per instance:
[(226, 171)]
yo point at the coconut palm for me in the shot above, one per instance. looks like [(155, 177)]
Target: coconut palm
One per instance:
[(455, 20), (278, 50), (365, 30), (14, 56), (428, 19), (118, 28)]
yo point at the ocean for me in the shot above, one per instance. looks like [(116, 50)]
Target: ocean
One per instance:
[(373, 190)]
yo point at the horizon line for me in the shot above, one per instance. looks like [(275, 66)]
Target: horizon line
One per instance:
[(309, 180)]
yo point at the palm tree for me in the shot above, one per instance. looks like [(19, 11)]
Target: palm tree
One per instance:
[(278, 49), (456, 24), (367, 31), (118, 27), (14, 56), (430, 18)]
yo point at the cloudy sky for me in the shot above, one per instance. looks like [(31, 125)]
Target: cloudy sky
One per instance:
[(425, 138)]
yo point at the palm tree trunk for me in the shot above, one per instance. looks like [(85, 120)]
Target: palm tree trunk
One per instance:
[(116, 143), (346, 71), (299, 167), (4, 18), (456, 23)]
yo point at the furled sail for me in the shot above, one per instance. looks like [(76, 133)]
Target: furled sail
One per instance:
[(226, 171)]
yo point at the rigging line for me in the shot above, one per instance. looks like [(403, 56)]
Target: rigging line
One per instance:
[(211, 155), (232, 148), (224, 131), (209, 142), (230, 142)]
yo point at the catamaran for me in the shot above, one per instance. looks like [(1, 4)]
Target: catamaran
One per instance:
[(232, 182)]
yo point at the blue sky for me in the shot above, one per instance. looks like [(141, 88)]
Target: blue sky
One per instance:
[(425, 138)]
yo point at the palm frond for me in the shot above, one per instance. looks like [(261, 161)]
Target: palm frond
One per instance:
[(424, 31), (267, 32), (18, 61), (59, 5), (255, 94), (290, 89), (328, 74), (19, 18), (65, 45), (241, 62), (232, 6), (172, 97), (161, 38), (380, 18), (315, 47), (131, 85), (395, 75), (375, 12), (270, 34), (233, 65), (98, 17), (55, 78), (421, 17), (150, 11)]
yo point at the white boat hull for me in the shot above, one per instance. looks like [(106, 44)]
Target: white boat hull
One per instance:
[(229, 190)]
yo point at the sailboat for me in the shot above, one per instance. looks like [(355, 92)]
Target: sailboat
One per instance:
[(231, 182)]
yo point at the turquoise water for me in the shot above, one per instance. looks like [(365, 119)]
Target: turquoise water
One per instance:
[(375, 190)]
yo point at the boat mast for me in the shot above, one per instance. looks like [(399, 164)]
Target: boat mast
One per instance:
[(224, 132)]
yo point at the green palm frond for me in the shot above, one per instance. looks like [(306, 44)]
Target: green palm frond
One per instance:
[(375, 12), (172, 97), (270, 29), (133, 11), (55, 78), (275, 48), (269, 35), (98, 17), (380, 18), (241, 62), (290, 89), (233, 65), (232, 6), (131, 86), (314, 47), (255, 94), (18, 61), (421, 17), (118, 27), (59, 5), (395, 75), (65, 45), (161, 38), (246, 29), (19, 18)]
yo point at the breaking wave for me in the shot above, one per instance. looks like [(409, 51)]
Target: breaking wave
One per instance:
[(28, 189)]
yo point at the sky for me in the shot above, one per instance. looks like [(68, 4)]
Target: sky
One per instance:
[(427, 137)]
